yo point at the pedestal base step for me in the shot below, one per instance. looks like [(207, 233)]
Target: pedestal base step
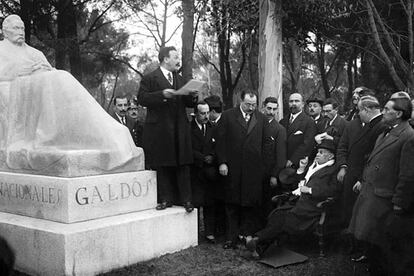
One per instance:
[(86, 248)]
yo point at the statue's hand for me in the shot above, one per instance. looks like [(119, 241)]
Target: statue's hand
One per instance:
[(41, 66), (30, 69)]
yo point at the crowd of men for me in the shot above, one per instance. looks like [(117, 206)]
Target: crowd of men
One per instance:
[(231, 164)]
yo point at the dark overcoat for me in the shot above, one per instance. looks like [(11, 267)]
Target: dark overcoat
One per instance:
[(336, 129), (353, 151), (300, 137), (240, 146), (275, 149), (166, 137), (305, 214), (203, 175), (388, 180)]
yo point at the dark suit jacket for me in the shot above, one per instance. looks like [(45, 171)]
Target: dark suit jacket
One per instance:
[(240, 146), (300, 137), (134, 129), (321, 124), (203, 175), (336, 129), (129, 121), (166, 138), (275, 149)]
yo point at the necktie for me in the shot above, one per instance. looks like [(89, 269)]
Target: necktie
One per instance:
[(170, 79), (204, 129), (123, 120), (247, 118), (291, 119), (386, 131)]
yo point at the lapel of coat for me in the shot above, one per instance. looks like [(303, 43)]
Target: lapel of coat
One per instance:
[(162, 80), (295, 125), (240, 118), (366, 129), (326, 170), (384, 142), (197, 131), (252, 123)]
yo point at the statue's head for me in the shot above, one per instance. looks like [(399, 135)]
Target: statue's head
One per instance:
[(13, 29)]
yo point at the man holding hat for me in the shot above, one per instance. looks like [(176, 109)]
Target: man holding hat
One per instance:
[(317, 182)]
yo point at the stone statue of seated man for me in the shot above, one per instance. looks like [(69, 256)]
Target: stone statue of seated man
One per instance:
[(49, 123)]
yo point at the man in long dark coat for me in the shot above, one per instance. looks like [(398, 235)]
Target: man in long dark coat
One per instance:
[(241, 133), (204, 171), (167, 137), (386, 192), (274, 153), (355, 145)]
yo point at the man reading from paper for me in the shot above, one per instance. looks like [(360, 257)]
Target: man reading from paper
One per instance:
[(49, 123)]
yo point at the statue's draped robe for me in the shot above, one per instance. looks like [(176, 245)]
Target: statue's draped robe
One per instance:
[(50, 125)]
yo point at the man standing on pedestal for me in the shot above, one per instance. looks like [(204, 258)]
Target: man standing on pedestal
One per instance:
[(167, 136)]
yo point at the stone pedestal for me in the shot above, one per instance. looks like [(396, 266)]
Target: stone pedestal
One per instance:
[(88, 225), (87, 248), (77, 199)]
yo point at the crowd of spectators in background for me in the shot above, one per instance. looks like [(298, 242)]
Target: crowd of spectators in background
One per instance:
[(231, 164)]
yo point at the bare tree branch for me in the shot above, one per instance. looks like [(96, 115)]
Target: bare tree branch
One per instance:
[(207, 60)]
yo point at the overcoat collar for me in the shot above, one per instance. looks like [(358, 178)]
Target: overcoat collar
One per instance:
[(366, 128), (391, 138), (241, 120)]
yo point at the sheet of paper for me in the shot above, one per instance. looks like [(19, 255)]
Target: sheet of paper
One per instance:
[(191, 85)]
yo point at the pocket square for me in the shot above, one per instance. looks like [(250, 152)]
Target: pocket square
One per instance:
[(298, 132)]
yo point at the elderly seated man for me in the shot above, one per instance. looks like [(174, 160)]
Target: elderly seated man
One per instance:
[(317, 183)]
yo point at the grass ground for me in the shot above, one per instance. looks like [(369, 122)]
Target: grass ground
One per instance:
[(211, 259)]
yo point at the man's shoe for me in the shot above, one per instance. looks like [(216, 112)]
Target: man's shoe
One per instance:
[(188, 207), (229, 245), (360, 259), (163, 205), (211, 239), (251, 243)]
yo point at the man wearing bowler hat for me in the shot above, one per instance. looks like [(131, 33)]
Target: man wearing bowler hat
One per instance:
[(316, 182)]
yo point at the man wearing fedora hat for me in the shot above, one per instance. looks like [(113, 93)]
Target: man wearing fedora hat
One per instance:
[(316, 182)]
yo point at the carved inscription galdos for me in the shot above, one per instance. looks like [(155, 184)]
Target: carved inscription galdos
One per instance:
[(112, 192)]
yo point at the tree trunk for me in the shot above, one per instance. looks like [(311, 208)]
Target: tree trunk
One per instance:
[(67, 42), (293, 61), (187, 39), (26, 12), (375, 35), (350, 75), (270, 51), (320, 52), (253, 60)]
